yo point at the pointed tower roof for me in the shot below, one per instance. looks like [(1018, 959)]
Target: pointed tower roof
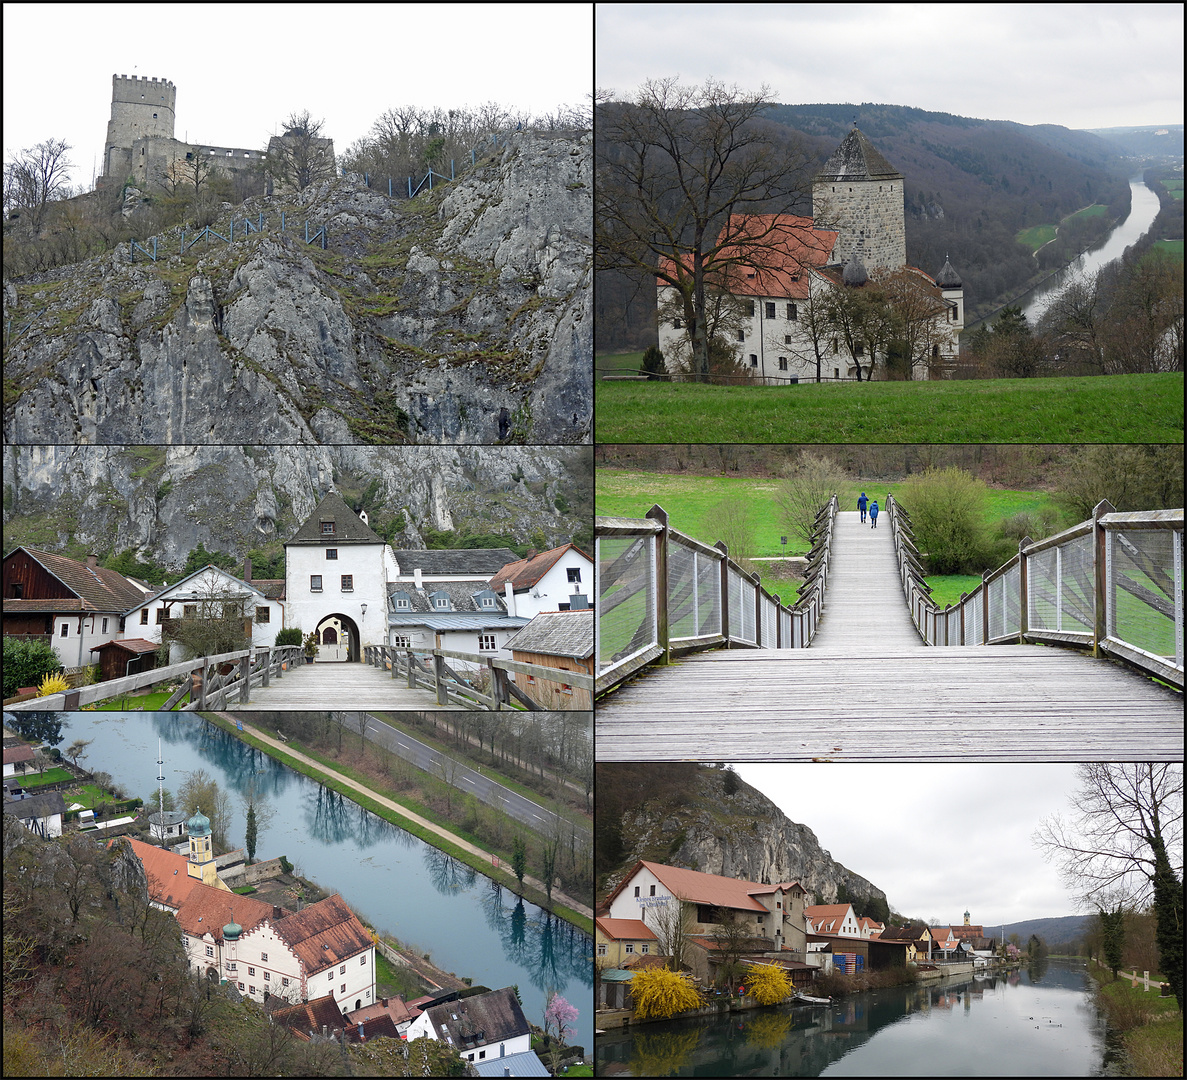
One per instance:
[(948, 278), (333, 522), (856, 159)]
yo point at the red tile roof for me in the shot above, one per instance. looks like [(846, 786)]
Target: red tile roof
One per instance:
[(324, 934), (526, 572), (169, 882), (778, 267), (132, 645), (207, 910), (625, 929), (698, 888), (311, 1015), (98, 589)]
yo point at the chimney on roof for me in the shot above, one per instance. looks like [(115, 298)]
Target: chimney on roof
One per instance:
[(509, 593), (416, 578), (247, 568), (277, 913), (532, 553), (385, 1003), (92, 561)]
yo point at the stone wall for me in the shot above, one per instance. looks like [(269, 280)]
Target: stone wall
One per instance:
[(869, 216), (262, 871)]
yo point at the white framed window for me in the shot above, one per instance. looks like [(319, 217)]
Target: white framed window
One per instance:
[(251, 971), (342, 970), (486, 643), (263, 958), (209, 950), (601, 948), (284, 982), (441, 603), (630, 948), (574, 573)]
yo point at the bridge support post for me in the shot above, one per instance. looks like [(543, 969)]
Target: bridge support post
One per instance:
[(411, 669), (984, 607), (1100, 560), (1023, 590), (439, 678), (658, 513), (723, 547), (244, 679), (267, 667)]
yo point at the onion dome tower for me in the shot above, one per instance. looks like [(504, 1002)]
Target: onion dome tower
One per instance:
[(201, 860)]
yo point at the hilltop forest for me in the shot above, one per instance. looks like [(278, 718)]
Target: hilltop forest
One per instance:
[(969, 186)]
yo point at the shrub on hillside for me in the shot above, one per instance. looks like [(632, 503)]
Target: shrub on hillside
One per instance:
[(947, 509), (26, 662)]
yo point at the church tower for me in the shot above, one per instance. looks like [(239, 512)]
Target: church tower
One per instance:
[(860, 194), (200, 864)]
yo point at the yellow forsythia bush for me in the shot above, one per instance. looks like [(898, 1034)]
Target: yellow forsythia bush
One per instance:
[(53, 684), (767, 984), (662, 993)]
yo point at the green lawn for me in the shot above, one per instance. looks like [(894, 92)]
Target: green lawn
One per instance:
[(1110, 408), (142, 702), (50, 776), (1036, 236)]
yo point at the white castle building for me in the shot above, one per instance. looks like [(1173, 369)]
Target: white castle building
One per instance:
[(777, 311)]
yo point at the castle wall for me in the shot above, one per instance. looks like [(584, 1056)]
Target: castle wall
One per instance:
[(141, 108), (869, 215)]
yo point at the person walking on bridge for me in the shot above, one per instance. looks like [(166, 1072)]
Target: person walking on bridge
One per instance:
[(861, 505), (874, 514)]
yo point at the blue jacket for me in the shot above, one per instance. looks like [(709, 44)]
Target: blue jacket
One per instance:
[(873, 509), (861, 503)]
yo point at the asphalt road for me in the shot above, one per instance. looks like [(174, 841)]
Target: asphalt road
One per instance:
[(467, 780)]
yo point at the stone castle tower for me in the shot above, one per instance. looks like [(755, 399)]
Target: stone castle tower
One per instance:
[(142, 109), (860, 194)]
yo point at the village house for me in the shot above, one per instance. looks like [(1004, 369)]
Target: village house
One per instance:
[(17, 760), (772, 915), (779, 273), (837, 919), (41, 813), (484, 1027), (76, 606), (618, 942), (550, 581), (556, 639)]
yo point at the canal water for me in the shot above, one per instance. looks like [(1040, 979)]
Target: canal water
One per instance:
[(427, 899), (1039, 1021)]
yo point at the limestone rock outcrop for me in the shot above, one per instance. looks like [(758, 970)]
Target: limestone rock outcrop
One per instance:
[(461, 316)]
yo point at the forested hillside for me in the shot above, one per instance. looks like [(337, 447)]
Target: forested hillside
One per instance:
[(969, 186)]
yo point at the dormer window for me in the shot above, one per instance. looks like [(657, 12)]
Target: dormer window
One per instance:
[(327, 528), (441, 603), (488, 601), (401, 602)]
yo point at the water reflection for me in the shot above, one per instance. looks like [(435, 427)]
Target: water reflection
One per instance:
[(469, 924)]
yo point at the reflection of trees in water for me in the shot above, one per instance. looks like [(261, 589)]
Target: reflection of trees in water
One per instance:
[(663, 1053), (768, 1030), (448, 875), (239, 762), (554, 951)]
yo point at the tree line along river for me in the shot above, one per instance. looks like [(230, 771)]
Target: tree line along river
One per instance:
[(467, 924)]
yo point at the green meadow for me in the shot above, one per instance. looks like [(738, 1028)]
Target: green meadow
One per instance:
[(1107, 408)]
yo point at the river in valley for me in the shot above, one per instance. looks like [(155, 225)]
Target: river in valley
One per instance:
[(1143, 210), (469, 925), (1037, 1021)]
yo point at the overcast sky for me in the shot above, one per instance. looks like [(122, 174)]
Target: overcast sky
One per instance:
[(936, 838), (240, 69), (1079, 65)]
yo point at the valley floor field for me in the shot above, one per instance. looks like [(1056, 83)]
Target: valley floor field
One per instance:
[(1108, 408)]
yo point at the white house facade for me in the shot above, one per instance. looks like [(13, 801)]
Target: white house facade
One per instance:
[(548, 581)]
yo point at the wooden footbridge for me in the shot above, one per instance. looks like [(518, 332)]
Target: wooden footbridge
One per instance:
[(884, 673), (339, 686)]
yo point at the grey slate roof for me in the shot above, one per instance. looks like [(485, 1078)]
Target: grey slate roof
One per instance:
[(558, 633), (856, 159), (459, 620), (479, 1020), (477, 562), (46, 804), (349, 528), (525, 1064), (948, 278), (461, 596)]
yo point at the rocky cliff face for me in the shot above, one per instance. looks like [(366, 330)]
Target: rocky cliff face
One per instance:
[(461, 316), (743, 835), (161, 501)]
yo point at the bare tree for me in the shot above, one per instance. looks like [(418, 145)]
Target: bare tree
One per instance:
[(302, 156), (808, 486), (215, 619), (190, 173), (678, 169), (672, 923), (1126, 842), (35, 177)]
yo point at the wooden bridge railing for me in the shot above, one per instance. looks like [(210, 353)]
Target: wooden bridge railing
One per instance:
[(429, 670), (662, 593), (202, 680), (1113, 583)]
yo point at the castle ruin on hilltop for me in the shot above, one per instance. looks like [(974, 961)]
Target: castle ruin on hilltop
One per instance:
[(141, 147)]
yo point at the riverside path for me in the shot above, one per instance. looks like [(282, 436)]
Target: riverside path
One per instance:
[(868, 688)]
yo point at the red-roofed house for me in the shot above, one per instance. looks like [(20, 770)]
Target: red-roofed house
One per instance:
[(620, 941), (869, 928), (771, 912), (545, 582), (833, 919), (169, 875)]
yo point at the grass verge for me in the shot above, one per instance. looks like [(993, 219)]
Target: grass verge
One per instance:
[(1108, 408), (1151, 1026)]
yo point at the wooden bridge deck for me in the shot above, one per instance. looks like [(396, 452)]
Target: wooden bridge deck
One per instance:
[(339, 686), (869, 689)]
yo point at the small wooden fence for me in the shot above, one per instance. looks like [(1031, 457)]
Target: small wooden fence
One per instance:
[(204, 681), (662, 593), (1113, 584), (431, 671)]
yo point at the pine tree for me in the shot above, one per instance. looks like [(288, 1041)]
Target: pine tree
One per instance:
[(519, 858), (251, 832)]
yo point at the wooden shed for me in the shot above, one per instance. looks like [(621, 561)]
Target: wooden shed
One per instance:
[(128, 657)]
